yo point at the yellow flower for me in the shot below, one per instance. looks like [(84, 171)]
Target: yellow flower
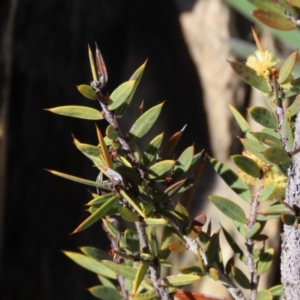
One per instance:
[(262, 61), (270, 173)]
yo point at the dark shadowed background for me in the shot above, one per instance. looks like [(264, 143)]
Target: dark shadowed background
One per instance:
[(43, 58)]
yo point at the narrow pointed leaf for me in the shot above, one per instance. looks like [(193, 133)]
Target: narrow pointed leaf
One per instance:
[(294, 90), (233, 245), (247, 165), (240, 277), (132, 203), (145, 296), (254, 230), (92, 64), (277, 290), (140, 274), (87, 91), (94, 153), (287, 67), (122, 270), (159, 169), (80, 180), (249, 76), (184, 162), (232, 180), (131, 241), (191, 270), (98, 214), (91, 264), (104, 292), (128, 215), (213, 249), (95, 253), (152, 240), (273, 20), (165, 241), (120, 94), (288, 129), (152, 151), (106, 154), (137, 75), (180, 279), (171, 144), (144, 123), (263, 116), (106, 282), (76, 111), (229, 208), (255, 148), (156, 222), (98, 200), (111, 229), (265, 261)]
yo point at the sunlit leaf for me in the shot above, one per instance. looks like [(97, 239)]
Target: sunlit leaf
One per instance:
[(152, 151), (145, 296), (254, 229), (265, 261), (95, 253), (91, 264), (247, 165), (98, 214), (191, 270), (76, 111), (144, 123), (263, 116), (184, 162), (277, 155), (132, 203), (156, 222), (87, 91), (249, 76), (122, 270), (264, 295), (104, 292), (80, 180), (160, 168), (273, 20), (229, 208), (267, 192), (267, 139), (128, 215), (287, 67), (140, 274), (255, 148), (120, 95), (277, 290), (288, 129), (232, 180), (177, 247), (100, 199), (111, 229), (180, 279), (106, 154)]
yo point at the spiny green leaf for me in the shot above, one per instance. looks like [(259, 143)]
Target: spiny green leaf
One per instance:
[(132, 203), (249, 76), (91, 264), (247, 165), (104, 292), (152, 150), (287, 67), (265, 261), (76, 111), (137, 75), (229, 208), (160, 168), (240, 277), (87, 91), (144, 123), (80, 180), (140, 274), (98, 214), (184, 162), (105, 153), (180, 279), (273, 20), (95, 253), (156, 222), (152, 240), (94, 153), (113, 231), (120, 95), (263, 116), (122, 270), (232, 180), (128, 215)]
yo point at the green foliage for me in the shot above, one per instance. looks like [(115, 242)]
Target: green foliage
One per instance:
[(139, 185)]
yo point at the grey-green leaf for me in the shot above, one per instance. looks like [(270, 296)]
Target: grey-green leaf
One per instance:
[(263, 116)]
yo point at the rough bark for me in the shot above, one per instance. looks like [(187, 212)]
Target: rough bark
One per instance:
[(290, 255)]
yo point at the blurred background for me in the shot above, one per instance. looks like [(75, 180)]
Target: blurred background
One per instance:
[(43, 58)]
